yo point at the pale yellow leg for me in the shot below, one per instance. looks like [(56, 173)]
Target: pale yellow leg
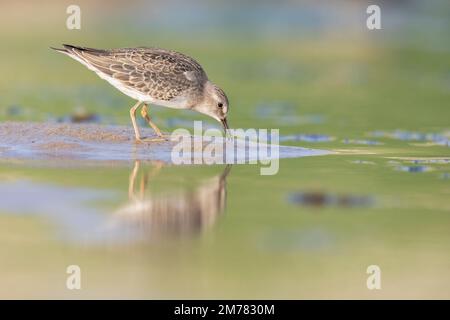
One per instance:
[(133, 120), (146, 116)]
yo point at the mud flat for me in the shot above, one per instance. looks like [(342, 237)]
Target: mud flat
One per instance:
[(47, 141)]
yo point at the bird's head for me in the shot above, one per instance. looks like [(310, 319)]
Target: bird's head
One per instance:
[(214, 104)]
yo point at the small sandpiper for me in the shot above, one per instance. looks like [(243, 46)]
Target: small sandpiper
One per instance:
[(157, 76)]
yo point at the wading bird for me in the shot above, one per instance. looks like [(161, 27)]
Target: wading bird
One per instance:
[(157, 76)]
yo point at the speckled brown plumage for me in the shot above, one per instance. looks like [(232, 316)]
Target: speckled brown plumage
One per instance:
[(155, 76), (159, 73)]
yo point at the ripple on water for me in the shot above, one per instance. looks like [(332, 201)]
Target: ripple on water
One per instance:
[(363, 142), (437, 138), (433, 161)]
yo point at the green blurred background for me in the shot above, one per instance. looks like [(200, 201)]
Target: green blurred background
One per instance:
[(311, 69)]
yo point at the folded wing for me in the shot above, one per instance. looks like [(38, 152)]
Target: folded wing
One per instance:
[(159, 73)]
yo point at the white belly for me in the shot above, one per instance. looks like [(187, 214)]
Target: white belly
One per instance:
[(176, 103)]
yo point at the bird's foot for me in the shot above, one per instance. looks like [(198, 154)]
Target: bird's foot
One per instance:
[(162, 137)]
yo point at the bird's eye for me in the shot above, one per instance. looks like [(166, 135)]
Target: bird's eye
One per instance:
[(220, 104)]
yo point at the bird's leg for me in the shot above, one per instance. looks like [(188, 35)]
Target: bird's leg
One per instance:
[(146, 116), (133, 120)]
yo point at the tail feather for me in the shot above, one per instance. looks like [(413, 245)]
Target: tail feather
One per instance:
[(83, 49), (80, 53), (59, 50), (71, 49)]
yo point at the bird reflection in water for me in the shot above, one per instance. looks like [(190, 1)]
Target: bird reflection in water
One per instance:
[(177, 214)]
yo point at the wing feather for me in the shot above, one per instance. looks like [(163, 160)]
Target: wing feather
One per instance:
[(159, 73)]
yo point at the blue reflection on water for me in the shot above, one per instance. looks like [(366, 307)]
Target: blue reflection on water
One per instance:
[(307, 138), (414, 169)]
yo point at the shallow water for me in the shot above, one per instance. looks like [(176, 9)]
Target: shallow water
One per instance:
[(37, 141), (159, 231)]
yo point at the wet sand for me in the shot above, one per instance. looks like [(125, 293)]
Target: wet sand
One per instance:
[(42, 141)]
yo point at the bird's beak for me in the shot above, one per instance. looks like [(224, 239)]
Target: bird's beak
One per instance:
[(225, 124)]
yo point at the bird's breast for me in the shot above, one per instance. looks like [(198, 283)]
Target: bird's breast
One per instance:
[(179, 102)]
